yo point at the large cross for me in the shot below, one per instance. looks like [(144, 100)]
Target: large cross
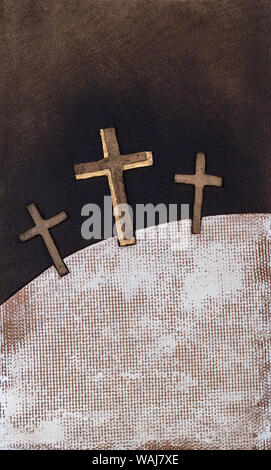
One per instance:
[(112, 165), (41, 228), (200, 179)]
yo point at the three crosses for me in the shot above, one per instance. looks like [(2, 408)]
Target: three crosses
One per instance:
[(112, 165)]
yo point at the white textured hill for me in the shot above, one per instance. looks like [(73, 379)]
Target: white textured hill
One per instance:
[(164, 344)]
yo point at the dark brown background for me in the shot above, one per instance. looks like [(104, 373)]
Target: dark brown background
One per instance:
[(172, 76)]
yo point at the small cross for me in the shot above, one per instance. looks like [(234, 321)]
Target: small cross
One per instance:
[(112, 165), (42, 228), (200, 179)]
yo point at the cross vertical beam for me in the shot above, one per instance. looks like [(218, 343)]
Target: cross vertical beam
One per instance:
[(200, 179), (113, 165), (41, 228)]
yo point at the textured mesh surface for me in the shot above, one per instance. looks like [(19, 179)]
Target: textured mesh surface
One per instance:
[(164, 344)]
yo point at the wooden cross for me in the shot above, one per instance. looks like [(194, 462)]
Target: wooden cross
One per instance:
[(112, 165), (200, 179), (42, 228)]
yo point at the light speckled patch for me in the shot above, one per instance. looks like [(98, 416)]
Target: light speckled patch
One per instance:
[(165, 344)]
